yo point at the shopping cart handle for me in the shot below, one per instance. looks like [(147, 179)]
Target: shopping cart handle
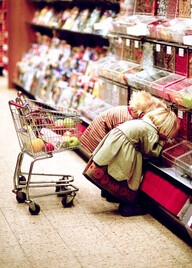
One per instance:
[(17, 104)]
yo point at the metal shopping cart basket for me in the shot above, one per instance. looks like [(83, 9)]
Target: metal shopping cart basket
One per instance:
[(42, 131)]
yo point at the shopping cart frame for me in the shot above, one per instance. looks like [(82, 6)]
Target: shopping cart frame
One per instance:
[(23, 181)]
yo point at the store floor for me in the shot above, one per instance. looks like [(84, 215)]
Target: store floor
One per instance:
[(91, 234)]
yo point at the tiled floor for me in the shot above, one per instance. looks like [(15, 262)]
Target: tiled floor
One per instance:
[(89, 234)]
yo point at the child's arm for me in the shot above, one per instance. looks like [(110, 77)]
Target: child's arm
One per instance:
[(151, 145)]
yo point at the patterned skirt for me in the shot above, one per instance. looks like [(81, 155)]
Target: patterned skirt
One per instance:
[(98, 175)]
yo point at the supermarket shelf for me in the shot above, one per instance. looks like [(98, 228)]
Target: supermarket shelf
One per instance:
[(114, 82), (59, 30), (164, 43), (148, 39), (170, 173)]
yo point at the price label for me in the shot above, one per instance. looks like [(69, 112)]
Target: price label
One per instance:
[(180, 114), (181, 52), (169, 50), (128, 42), (136, 44), (158, 47), (114, 88)]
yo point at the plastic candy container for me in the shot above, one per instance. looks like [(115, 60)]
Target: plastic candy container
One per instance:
[(170, 154), (181, 93)]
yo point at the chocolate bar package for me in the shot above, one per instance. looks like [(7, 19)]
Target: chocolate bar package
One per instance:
[(145, 7), (184, 8)]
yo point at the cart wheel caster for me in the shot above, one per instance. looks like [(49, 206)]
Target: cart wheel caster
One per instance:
[(58, 189), (67, 200), (21, 197), (34, 208), (22, 179)]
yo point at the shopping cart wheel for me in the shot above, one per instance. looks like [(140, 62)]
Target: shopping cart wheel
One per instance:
[(21, 197), (58, 189), (67, 200), (34, 208), (22, 180)]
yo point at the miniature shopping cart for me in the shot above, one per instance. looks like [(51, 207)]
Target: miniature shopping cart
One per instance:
[(42, 131)]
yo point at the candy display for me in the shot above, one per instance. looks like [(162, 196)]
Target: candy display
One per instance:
[(170, 154), (71, 19), (48, 67), (116, 70), (127, 7), (117, 47), (190, 63), (184, 8), (136, 25), (162, 8), (145, 7), (94, 17), (172, 6), (183, 164), (128, 47), (147, 59), (180, 93), (159, 55), (91, 106), (159, 86), (76, 19), (137, 51), (185, 123), (144, 79), (179, 156), (171, 30), (104, 25), (181, 61), (169, 58), (114, 93), (57, 72)]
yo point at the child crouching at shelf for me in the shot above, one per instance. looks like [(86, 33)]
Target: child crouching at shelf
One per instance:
[(140, 103), (116, 163)]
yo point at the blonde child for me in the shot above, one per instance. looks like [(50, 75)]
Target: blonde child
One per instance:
[(118, 157), (140, 103)]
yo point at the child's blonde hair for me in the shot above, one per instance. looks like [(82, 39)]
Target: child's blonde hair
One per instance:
[(142, 102), (165, 120)]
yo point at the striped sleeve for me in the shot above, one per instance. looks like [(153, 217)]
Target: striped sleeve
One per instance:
[(100, 126)]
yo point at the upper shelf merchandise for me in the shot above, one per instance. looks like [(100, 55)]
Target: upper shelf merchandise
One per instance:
[(131, 62), (86, 20), (60, 74)]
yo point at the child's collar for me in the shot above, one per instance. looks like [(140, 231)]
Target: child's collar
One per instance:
[(148, 121)]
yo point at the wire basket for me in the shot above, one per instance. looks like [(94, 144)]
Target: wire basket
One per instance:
[(44, 129)]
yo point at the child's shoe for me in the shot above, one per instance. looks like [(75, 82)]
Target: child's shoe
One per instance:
[(109, 197), (128, 210)]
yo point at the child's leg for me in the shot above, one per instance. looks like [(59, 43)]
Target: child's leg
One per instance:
[(113, 190), (109, 197), (133, 208)]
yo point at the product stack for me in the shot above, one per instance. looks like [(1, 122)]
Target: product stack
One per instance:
[(148, 50)]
